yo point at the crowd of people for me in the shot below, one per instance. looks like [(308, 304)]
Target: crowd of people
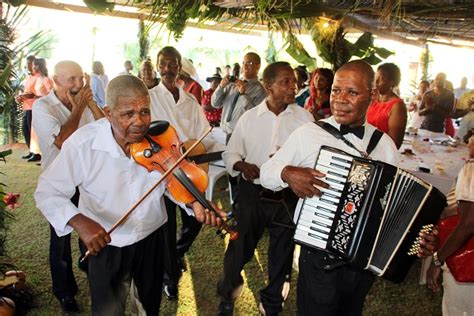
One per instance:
[(86, 125)]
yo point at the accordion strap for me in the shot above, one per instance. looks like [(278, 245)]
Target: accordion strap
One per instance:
[(374, 139)]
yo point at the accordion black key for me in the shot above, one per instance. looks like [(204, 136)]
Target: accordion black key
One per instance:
[(371, 215)]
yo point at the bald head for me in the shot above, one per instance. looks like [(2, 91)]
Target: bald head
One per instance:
[(124, 86), (68, 77), (352, 92), (362, 68), (66, 66)]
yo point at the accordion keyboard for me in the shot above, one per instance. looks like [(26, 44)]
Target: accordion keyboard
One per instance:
[(318, 212)]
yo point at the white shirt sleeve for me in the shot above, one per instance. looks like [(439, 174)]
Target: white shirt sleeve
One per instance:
[(465, 183), (288, 155), (46, 125), (235, 150), (56, 187)]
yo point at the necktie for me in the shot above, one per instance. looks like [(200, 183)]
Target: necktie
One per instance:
[(232, 106), (357, 131)]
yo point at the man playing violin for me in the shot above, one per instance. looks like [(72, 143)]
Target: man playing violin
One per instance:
[(96, 159), (340, 290), (171, 103)]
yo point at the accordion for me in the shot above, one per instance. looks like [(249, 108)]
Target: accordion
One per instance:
[(371, 215)]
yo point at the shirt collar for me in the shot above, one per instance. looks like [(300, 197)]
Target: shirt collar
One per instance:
[(105, 141), (263, 108), (182, 93), (331, 120), (253, 80)]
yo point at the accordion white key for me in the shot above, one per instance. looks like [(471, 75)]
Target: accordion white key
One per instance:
[(371, 215)]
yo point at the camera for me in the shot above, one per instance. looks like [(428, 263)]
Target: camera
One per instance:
[(232, 78)]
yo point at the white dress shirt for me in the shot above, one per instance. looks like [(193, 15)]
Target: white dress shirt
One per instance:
[(186, 115), (49, 114), (109, 183), (259, 133), (302, 148)]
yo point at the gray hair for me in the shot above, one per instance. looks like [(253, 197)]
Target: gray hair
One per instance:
[(124, 86)]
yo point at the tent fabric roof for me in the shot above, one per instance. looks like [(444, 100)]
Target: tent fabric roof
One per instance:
[(444, 20), (428, 20)]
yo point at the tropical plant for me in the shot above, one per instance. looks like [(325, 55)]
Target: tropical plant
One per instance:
[(425, 61), (11, 53), (143, 41), (7, 202), (333, 47)]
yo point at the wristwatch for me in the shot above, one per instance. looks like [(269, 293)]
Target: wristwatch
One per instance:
[(436, 261)]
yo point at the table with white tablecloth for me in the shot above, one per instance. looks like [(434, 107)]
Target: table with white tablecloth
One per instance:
[(443, 162)]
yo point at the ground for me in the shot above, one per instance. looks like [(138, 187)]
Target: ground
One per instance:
[(27, 245)]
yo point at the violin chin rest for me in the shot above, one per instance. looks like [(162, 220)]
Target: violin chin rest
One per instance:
[(158, 127)]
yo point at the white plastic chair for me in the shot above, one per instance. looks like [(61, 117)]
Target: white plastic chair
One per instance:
[(214, 174)]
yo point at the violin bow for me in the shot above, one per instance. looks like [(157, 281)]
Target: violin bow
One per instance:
[(147, 193)]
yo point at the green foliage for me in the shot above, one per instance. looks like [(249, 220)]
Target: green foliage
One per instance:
[(335, 49), (100, 5), (11, 53), (5, 214), (271, 52), (425, 61), (143, 41), (296, 50)]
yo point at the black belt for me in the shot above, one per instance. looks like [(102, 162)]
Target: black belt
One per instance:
[(270, 195)]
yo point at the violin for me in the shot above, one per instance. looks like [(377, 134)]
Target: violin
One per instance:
[(159, 151)]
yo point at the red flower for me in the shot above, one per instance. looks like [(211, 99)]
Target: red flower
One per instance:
[(11, 200)]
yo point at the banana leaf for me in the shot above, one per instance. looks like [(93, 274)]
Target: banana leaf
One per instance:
[(99, 6), (296, 50), (5, 75), (372, 59), (383, 52)]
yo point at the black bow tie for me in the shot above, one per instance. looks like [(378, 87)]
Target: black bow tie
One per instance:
[(357, 131)]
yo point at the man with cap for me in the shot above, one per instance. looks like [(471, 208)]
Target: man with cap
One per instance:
[(187, 75), (213, 115)]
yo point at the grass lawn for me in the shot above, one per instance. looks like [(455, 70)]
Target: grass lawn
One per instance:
[(28, 242)]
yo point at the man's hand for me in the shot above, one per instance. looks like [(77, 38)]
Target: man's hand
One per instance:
[(20, 98), (250, 171), (429, 243), (303, 182), (207, 217), (82, 99), (241, 86), (224, 82), (432, 276), (429, 103), (94, 236)]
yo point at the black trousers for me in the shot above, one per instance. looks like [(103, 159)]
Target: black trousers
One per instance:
[(255, 212), (60, 261), (112, 270), (337, 292), (233, 182), (176, 247), (26, 126)]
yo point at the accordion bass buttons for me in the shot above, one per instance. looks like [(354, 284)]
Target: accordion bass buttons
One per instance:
[(415, 247)]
